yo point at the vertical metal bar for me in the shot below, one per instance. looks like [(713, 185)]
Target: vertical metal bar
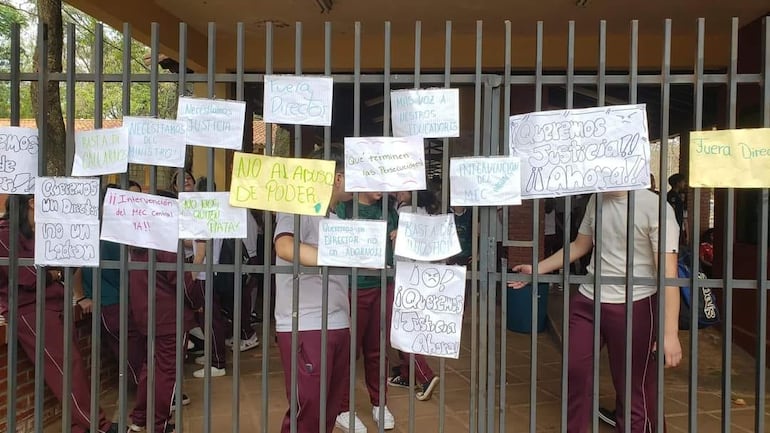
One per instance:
[(238, 271), (692, 421), (729, 237), (504, 279), (665, 90), (267, 275), (325, 269), (764, 239), (180, 263), (295, 289), (97, 62), (42, 81), (123, 337), (13, 259), (486, 264), (493, 133), (630, 247), (597, 299), (474, 250)]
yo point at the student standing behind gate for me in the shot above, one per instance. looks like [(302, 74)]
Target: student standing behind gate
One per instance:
[(309, 316), (644, 388), (54, 318), (369, 297)]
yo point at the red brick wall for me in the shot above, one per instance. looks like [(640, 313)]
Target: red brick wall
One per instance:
[(25, 395)]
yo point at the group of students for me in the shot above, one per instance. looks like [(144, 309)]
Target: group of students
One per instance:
[(165, 318)]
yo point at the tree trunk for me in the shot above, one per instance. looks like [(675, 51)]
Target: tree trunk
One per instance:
[(49, 13)]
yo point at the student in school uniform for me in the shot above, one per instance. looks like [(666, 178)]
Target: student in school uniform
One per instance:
[(308, 384), (55, 304)]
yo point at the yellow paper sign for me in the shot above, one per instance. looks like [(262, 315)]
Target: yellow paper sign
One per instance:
[(734, 158), (292, 185)]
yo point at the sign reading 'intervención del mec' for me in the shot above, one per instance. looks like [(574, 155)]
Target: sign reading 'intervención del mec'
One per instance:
[(141, 220), (568, 152), (208, 215), (67, 221), (18, 160), (428, 305), (291, 185), (485, 181), (735, 158)]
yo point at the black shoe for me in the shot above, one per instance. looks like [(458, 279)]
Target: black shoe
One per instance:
[(198, 346), (607, 416), (256, 318)]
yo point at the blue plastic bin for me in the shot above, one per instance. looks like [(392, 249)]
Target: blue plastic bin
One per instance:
[(520, 309)]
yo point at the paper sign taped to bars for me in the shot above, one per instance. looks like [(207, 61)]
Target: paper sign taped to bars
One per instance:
[(141, 220), (485, 181), (18, 160), (208, 215), (569, 152), (100, 151), (352, 243), (428, 306), (212, 122), (155, 141), (298, 100), (734, 158), (427, 237), (67, 221), (384, 164), (291, 185), (428, 113)]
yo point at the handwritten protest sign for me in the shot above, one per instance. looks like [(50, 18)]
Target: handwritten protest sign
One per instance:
[(155, 141), (735, 158), (428, 306), (141, 220), (208, 215), (384, 164), (485, 181), (67, 221), (18, 160), (567, 152), (212, 123), (291, 185), (426, 237), (352, 243), (100, 151), (298, 100), (430, 113)]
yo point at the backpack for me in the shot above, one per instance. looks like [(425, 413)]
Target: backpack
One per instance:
[(708, 311)]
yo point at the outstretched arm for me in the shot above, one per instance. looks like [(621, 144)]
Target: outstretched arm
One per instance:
[(578, 248), (284, 248)]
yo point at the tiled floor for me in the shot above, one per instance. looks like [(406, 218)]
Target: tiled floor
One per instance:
[(457, 390)]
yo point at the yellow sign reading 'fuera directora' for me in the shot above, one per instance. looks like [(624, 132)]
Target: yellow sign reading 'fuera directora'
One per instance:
[(734, 158)]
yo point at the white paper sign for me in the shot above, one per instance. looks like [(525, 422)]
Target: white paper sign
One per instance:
[(298, 100), (428, 309), (485, 181), (18, 160), (67, 221), (384, 164), (430, 113), (352, 243), (212, 122), (155, 141), (568, 152), (208, 215), (100, 151), (427, 237), (141, 220)]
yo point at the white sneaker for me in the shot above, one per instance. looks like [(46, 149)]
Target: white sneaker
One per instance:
[(247, 344), (343, 423), (215, 372), (388, 422), (135, 428)]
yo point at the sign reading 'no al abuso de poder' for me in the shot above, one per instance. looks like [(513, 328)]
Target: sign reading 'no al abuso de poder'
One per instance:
[(567, 152)]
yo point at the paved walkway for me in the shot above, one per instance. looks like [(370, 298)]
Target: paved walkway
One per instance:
[(457, 385)]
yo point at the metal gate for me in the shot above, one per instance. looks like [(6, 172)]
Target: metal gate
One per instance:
[(489, 408)]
